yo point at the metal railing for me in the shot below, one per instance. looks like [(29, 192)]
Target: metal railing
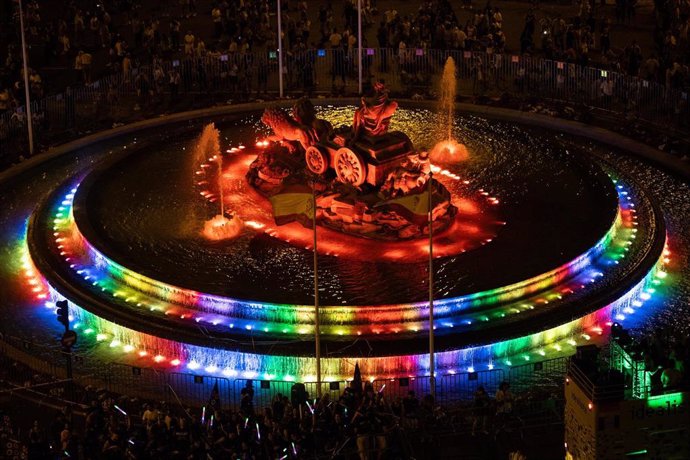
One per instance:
[(192, 390), (450, 388), (548, 374), (595, 390), (174, 85)]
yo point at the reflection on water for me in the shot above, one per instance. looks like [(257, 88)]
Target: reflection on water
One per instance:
[(547, 199)]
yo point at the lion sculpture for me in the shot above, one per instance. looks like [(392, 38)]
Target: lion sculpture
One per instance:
[(285, 128), (302, 128), (303, 112)]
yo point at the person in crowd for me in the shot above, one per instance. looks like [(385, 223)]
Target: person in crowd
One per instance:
[(504, 400), (480, 411)]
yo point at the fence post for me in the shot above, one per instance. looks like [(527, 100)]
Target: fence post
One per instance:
[(29, 121)]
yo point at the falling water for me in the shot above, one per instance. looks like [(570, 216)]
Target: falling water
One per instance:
[(448, 150), (448, 90), (207, 151)]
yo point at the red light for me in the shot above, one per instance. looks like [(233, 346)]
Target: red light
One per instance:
[(590, 406)]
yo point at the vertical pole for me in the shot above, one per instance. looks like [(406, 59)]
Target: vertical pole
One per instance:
[(359, 42), (280, 52), (29, 121), (432, 361), (219, 159), (317, 328), (70, 383)]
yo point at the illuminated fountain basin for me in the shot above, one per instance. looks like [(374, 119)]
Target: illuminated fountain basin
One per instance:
[(460, 323)]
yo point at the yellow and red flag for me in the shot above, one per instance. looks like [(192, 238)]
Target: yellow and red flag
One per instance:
[(413, 207), (293, 203)]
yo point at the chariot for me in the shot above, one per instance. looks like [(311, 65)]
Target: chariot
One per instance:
[(368, 159)]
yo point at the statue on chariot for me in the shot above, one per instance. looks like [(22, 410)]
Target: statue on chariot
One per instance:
[(359, 169)]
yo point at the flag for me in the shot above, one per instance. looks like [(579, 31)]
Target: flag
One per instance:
[(413, 207), (356, 383), (293, 203), (214, 399)]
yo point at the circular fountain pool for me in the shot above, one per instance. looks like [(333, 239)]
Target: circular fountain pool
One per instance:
[(566, 243)]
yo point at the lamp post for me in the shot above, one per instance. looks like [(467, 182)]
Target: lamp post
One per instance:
[(26, 81), (359, 42), (280, 53), (432, 352)]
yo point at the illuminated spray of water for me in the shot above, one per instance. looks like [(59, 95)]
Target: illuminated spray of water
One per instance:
[(207, 151), (448, 91), (448, 150)]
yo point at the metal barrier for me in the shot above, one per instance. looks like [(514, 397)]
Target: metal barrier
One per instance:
[(266, 390), (398, 388), (123, 97), (188, 390), (548, 374), (195, 390), (450, 388), (461, 386)]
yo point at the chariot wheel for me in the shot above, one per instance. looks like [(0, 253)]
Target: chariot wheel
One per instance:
[(349, 167), (317, 161)]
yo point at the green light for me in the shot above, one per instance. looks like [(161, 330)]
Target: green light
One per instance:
[(658, 401), (637, 452)]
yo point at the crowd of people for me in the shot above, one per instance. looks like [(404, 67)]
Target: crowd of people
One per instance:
[(359, 422), (228, 48), (665, 356), (122, 35)]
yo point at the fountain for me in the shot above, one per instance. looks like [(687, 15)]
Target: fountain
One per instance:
[(448, 150), (207, 152), (522, 280)]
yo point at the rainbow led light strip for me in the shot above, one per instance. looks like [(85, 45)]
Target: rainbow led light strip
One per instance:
[(143, 292), (553, 341)]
